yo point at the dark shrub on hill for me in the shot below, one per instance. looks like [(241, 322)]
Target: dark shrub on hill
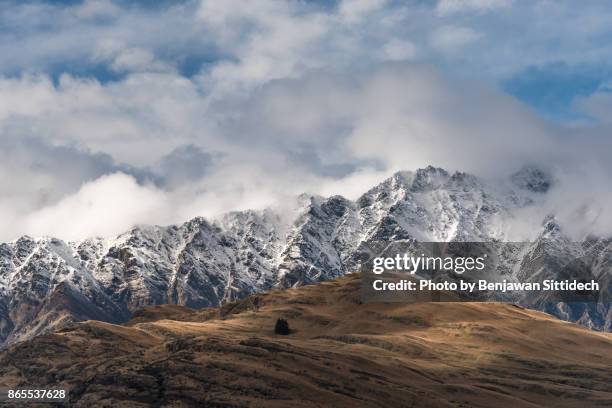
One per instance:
[(282, 327)]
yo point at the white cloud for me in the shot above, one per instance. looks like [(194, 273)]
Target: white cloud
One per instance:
[(271, 40), (53, 34), (96, 9), (597, 105), (319, 133), (138, 60), (103, 207), (399, 50), (355, 10), (136, 120), (124, 59), (291, 96), (453, 38), (454, 6), (242, 44)]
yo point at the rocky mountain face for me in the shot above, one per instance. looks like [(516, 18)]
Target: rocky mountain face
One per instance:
[(46, 283)]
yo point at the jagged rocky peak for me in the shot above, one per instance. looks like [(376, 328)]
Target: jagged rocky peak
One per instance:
[(429, 178), (336, 205), (401, 179), (21, 248), (316, 205), (460, 179), (142, 235), (205, 262), (403, 184), (551, 229), (196, 224), (390, 190), (421, 180), (232, 218), (532, 178)]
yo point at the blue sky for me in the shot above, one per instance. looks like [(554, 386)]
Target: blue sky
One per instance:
[(204, 105), (545, 53), (553, 88)]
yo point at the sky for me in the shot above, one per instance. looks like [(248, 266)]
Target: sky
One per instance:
[(116, 113)]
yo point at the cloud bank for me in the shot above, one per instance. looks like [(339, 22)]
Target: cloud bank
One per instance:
[(116, 113)]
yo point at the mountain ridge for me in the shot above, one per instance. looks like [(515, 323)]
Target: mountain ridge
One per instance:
[(203, 263)]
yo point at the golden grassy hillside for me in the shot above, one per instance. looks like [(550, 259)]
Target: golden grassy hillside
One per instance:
[(342, 353)]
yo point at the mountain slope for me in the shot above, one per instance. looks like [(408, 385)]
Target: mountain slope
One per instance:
[(204, 263), (341, 352)]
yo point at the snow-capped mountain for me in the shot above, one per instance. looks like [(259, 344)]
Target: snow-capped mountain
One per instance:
[(46, 283)]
